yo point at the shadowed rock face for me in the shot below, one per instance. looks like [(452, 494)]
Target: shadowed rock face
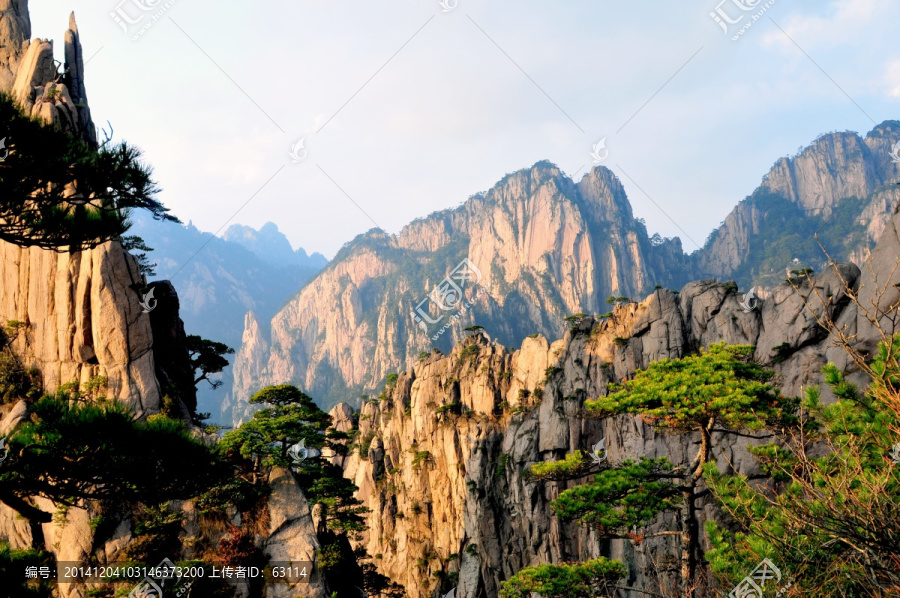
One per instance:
[(441, 484)]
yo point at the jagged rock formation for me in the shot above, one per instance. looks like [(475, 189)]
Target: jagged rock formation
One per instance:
[(445, 445), (218, 286), (43, 93), (88, 314), (543, 246), (840, 187), (270, 245), (546, 247)]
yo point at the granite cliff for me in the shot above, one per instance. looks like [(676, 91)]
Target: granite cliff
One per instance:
[(540, 247), (443, 449), (543, 247), (90, 318)]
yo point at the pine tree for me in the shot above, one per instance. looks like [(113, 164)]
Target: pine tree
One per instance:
[(58, 193), (718, 391), (829, 509)]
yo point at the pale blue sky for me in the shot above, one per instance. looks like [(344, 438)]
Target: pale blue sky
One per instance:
[(452, 112)]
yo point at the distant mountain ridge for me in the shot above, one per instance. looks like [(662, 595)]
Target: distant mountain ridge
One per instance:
[(841, 187), (270, 245), (541, 247)]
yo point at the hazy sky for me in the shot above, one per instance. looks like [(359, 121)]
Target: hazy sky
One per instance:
[(408, 109)]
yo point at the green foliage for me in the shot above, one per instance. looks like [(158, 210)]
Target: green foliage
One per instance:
[(782, 352), (469, 351), (572, 466), (448, 409), (207, 357), (71, 451), (833, 521), (16, 381), (502, 464), (364, 444), (34, 182), (721, 385), (156, 531), (134, 243), (233, 492), (551, 371), (575, 320), (621, 498), (391, 379), (12, 569), (590, 579), (289, 418), (420, 457)]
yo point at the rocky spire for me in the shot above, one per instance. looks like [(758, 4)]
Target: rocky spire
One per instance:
[(30, 74), (74, 80), (15, 31)]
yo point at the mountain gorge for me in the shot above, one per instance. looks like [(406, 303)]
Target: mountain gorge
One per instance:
[(219, 280), (543, 247)]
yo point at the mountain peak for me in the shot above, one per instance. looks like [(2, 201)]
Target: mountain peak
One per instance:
[(272, 246)]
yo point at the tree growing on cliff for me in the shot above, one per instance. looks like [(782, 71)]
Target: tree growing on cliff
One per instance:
[(720, 390), (70, 451), (590, 579), (291, 431), (57, 193), (207, 358), (831, 520)]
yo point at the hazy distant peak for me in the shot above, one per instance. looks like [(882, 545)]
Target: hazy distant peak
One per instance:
[(270, 245)]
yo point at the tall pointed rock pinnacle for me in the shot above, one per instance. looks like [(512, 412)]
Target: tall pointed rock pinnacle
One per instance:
[(74, 80)]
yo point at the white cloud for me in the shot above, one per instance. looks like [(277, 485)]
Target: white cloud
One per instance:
[(845, 22)]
